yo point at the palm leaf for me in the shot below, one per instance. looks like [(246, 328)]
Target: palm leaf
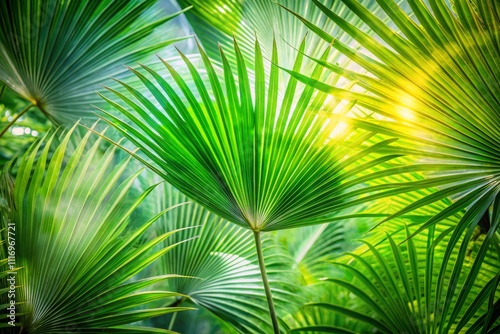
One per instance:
[(264, 164), (73, 246), (311, 248), (216, 22), (55, 54), (448, 106), (224, 150), (404, 287), (220, 266)]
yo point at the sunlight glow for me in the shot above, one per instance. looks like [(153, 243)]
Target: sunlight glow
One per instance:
[(17, 131), (338, 130), (224, 9), (231, 258), (405, 109)]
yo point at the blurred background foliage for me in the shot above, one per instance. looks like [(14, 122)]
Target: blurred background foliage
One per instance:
[(425, 72)]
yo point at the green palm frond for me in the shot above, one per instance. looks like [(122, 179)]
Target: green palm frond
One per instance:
[(265, 163), (317, 319), (55, 54), (220, 266), (73, 246), (446, 110), (408, 290)]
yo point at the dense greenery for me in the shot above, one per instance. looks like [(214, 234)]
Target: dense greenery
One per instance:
[(288, 167)]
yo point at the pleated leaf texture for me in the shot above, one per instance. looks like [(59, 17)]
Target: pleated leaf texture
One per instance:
[(222, 260), (251, 156), (433, 83), (411, 288), (55, 54), (75, 252)]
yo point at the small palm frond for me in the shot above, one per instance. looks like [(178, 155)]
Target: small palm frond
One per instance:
[(433, 83), (411, 289), (73, 246), (55, 54), (311, 248), (220, 266)]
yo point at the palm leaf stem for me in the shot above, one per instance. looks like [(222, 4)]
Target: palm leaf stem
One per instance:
[(172, 321), (15, 119), (265, 281)]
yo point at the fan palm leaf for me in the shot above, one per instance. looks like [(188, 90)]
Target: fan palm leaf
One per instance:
[(222, 260), (55, 54), (68, 230), (262, 163), (447, 110), (408, 290), (216, 22)]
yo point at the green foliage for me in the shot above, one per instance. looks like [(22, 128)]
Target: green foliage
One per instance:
[(221, 259), (266, 164), (55, 54), (405, 287), (27, 129), (386, 117), (448, 105), (74, 252), (217, 22)]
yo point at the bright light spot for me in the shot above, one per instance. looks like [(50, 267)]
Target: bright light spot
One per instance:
[(338, 130), (406, 113), (406, 107), (407, 100), (27, 131), (7, 113), (17, 131), (34, 133), (221, 9), (9, 118), (231, 258)]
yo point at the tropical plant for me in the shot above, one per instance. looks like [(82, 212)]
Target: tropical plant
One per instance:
[(265, 164), (67, 233), (223, 260), (217, 22), (448, 106), (50, 47), (403, 286)]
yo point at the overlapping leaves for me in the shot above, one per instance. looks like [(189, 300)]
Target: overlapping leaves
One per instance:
[(55, 54), (73, 245), (253, 158), (216, 22), (220, 265), (409, 288), (447, 109)]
